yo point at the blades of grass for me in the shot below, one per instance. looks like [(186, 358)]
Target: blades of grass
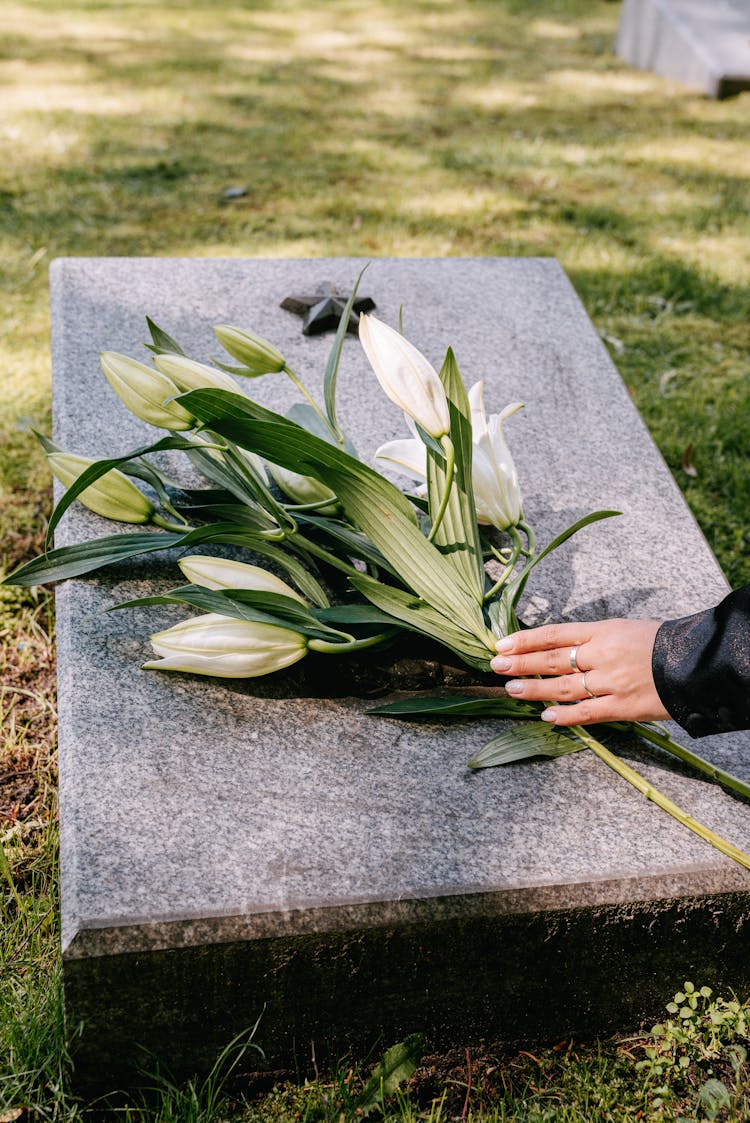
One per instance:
[(459, 707), (458, 534), (334, 358), (524, 742), (398, 1064)]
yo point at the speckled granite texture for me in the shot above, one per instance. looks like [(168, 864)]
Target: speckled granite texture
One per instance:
[(230, 845)]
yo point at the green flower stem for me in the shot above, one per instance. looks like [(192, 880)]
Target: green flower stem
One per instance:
[(509, 567), (664, 741), (450, 470), (316, 506), (658, 798), (308, 396), (165, 524), (317, 551), (247, 474), (530, 538), (352, 645)]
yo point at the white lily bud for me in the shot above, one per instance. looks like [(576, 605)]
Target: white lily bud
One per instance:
[(496, 492), (146, 392), (406, 376), (187, 374), (221, 573), (255, 352), (113, 495), (304, 489), (226, 648)]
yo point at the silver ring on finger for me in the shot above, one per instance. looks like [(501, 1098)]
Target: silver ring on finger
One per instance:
[(572, 658), (589, 693)]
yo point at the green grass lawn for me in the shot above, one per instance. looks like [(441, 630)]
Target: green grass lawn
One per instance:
[(368, 128)]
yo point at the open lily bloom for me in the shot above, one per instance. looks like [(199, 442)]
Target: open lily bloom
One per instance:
[(222, 647), (497, 496)]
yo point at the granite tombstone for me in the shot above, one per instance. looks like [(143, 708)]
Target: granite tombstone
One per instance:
[(233, 848)]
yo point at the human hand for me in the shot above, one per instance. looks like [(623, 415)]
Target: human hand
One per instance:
[(603, 668)]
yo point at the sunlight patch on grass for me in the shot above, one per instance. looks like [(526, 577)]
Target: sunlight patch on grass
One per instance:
[(553, 29)]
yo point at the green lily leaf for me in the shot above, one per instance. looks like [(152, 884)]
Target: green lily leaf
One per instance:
[(355, 544), (399, 1064), (240, 513), (101, 467), (513, 590), (244, 604), (355, 614), (457, 536), (458, 707), (161, 342), (334, 358), (73, 561), (370, 501), (523, 742), (302, 413), (418, 616)]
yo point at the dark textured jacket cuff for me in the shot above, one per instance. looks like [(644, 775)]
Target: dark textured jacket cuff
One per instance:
[(701, 667)]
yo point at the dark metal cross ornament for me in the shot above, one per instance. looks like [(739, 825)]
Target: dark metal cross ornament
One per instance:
[(324, 308)]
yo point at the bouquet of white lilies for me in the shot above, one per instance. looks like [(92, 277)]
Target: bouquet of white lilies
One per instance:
[(362, 562)]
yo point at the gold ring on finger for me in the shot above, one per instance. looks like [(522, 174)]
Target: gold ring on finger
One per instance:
[(589, 693)]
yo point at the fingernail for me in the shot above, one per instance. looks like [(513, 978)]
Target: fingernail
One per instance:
[(499, 663), (505, 644), (547, 715), (514, 687)]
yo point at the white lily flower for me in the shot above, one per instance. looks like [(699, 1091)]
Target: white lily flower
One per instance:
[(495, 481), (406, 376), (222, 647), (497, 497), (188, 374), (146, 392), (221, 573), (304, 489), (113, 495)]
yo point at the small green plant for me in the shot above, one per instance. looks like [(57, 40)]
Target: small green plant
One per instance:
[(697, 1050)]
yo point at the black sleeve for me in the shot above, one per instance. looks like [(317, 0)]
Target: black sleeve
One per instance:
[(701, 667)]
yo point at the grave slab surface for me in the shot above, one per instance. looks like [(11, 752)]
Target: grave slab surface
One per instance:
[(704, 44), (232, 847)]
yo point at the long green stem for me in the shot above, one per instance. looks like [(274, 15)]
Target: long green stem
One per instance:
[(353, 645), (325, 555), (165, 524), (311, 400), (450, 469), (511, 565), (530, 538), (664, 741), (658, 798)]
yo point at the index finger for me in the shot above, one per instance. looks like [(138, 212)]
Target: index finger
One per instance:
[(545, 638)]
